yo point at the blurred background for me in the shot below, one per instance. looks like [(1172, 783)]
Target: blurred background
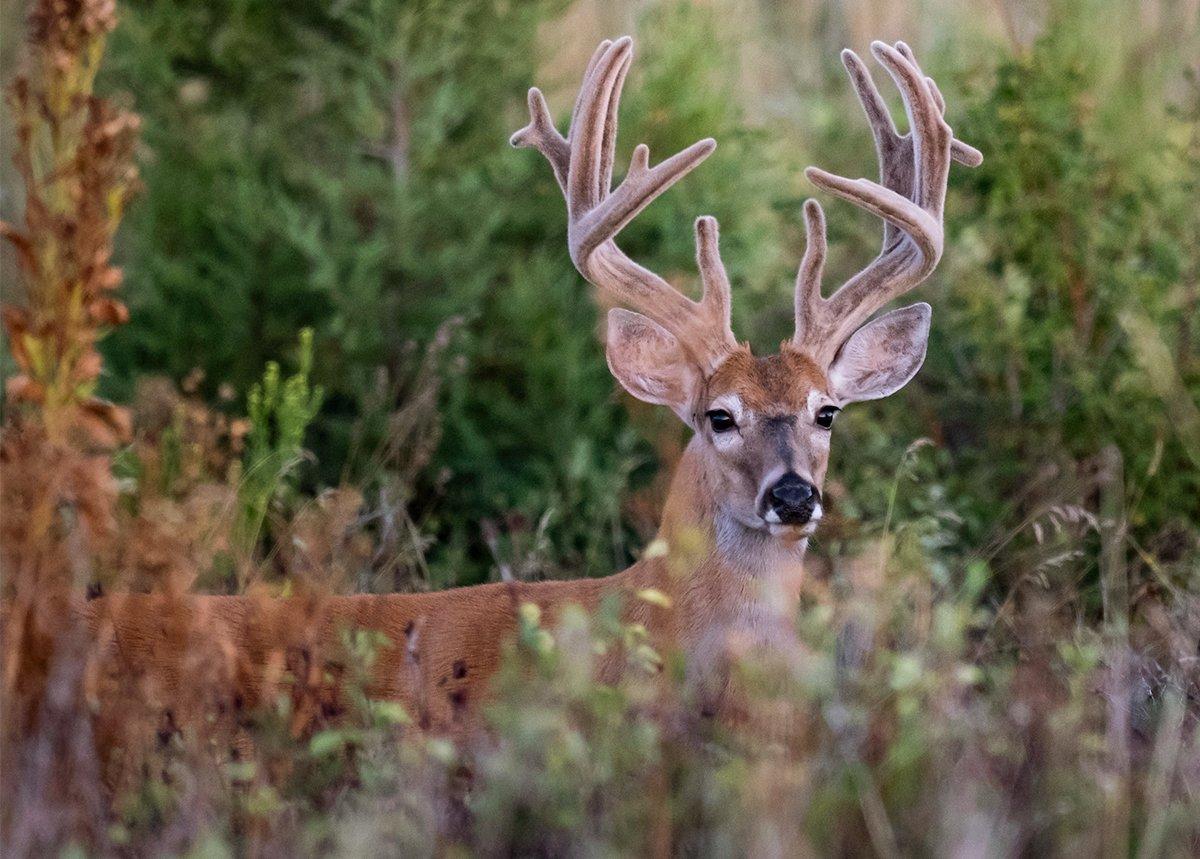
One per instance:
[(343, 167)]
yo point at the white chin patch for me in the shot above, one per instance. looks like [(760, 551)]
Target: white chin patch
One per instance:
[(776, 528), (793, 531)]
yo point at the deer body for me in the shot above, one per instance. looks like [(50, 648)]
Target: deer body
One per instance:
[(746, 494), (442, 648)]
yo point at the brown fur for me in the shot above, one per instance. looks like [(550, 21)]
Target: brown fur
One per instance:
[(164, 663), (772, 384)]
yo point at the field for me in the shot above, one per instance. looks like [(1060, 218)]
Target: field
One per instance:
[(285, 315)]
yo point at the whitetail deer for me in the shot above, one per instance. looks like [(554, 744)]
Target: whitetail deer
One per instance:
[(747, 492)]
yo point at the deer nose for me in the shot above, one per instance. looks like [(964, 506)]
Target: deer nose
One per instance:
[(793, 499)]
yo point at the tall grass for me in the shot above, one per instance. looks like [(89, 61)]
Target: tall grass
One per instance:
[(1008, 667)]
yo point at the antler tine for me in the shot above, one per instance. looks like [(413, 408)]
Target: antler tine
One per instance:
[(716, 302), (601, 49), (909, 198), (608, 144), (812, 266), (593, 126), (583, 165), (962, 153), (541, 134)]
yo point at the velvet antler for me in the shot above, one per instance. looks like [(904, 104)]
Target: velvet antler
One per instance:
[(583, 165), (909, 198)]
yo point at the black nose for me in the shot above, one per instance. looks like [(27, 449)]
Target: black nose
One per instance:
[(793, 499)]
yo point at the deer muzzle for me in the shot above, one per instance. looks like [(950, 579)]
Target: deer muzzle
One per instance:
[(792, 500)]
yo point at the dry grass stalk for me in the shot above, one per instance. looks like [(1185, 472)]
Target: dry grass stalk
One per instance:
[(74, 153)]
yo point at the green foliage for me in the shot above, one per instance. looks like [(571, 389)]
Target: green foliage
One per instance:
[(565, 744), (1065, 305), (259, 216), (344, 168), (280, 411), (1073, 235), (910, 720)]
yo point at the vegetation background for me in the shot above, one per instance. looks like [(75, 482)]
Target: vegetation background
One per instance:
[(327, 185)]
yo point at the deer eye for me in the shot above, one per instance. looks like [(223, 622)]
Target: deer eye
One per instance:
[(720, 420), (825, 416)]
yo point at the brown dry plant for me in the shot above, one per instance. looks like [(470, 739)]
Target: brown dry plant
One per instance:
[(74, 153)]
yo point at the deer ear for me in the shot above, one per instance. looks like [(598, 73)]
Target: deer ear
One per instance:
[(649, 362), (882, 356)]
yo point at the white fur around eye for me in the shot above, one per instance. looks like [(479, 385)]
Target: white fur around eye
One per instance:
[(726, 440), (733, 404), (816, 401)]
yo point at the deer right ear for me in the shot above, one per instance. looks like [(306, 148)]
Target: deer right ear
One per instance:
[(649, 362)]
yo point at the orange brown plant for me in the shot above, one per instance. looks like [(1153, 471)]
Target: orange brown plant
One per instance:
[(74, 154)]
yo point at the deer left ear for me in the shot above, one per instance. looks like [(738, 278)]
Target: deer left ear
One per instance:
[(881, 357)]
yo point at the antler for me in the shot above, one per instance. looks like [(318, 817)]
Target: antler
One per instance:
[(596, 213), (909, 197)]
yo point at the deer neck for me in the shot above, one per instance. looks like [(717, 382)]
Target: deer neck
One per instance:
[(725, 576)]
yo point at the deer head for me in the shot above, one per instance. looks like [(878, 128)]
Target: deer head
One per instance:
[(762, 424)]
